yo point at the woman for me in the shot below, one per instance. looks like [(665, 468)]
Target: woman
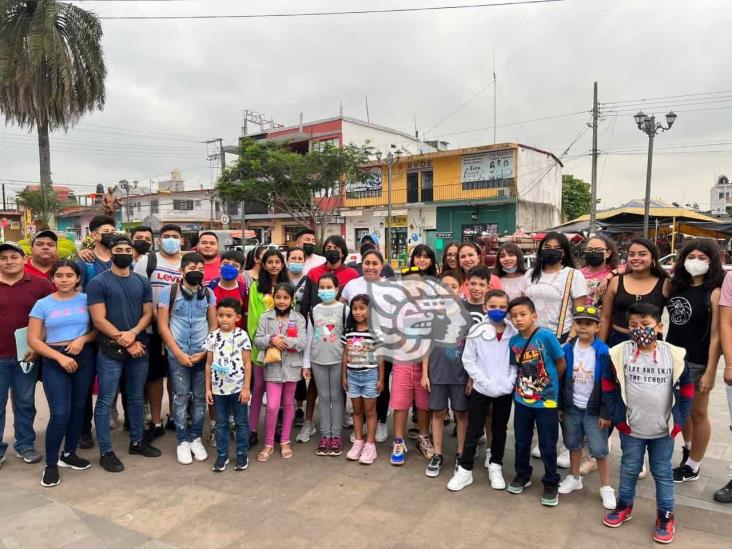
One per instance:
[(450, 257), (555, 286), (260, 301), (601, 262), (295, 268), (253, 266), (510, 269), (693, 309), (644, 281), (471, 255), (59, 329), (423, 257)]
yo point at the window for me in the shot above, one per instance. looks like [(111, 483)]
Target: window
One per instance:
[(232, 208), (321, 145), (154, 206), (198, 203), (291, 231), (139, 207), (721, 195), (412, 187), (183, 205), (427, 186), (217, 207)]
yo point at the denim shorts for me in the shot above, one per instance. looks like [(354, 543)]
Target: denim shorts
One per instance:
[(362, 383), (578, 423)]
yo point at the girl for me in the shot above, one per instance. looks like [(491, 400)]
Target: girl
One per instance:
[(363, 378), (510, 269), (253, 266), (295, 268), (323, 355), (693, 309), (281, 332), (601, 260), (450, 257), (424, 258), (59, 329), (470, 255), (260, 301)]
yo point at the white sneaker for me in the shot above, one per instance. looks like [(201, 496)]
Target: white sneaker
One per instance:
[(644, 472), (364, 432), (588, 465), (348, 420), (307, 430), (487, 463), (608, 497), (495, 475), (198, 450), (535, 452), (460, 480), (563, 457), (184, 453), (382, 432), (570, 484)]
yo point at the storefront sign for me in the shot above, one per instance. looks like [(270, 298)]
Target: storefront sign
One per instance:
[(398, 220), (448, 235), (369, 187), (419, 165), (490, 166)]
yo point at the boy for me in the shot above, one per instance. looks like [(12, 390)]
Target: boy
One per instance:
[(231, 283), (186, 314), (478, 279), (540, 364), (646, 383), (581, 402), (487, 360), (228, 377)]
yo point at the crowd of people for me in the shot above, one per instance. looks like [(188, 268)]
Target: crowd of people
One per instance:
[(576, 350)]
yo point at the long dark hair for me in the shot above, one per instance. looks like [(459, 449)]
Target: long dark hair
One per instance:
[(424, 249), (611, 261), (66, 263), (251, 257), (478, 250), (511, 249), (350, 321), (265, 283), (567, 259), (445, 266), (656, 269), (682, 280)]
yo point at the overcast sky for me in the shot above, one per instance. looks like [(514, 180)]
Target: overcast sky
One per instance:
[(173, 84)]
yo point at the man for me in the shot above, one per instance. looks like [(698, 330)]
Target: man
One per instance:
[(19, 291), (371, 242), (724, 494), (208, 247), (110, 202), (305, 239), (120, 304), (142, 241), (162, 269), (44, 253)]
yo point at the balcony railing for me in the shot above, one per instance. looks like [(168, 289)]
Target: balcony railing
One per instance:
[(370, 193), (437, 193)]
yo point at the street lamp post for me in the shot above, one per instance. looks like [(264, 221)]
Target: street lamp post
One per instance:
[(649, 126), (391, 158)]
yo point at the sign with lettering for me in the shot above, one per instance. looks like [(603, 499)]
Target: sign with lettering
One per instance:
[(398, 220), (488, 167), (419, 165), (446, 235)]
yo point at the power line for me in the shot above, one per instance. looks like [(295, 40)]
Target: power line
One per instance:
[(460, 108), (698, 94)]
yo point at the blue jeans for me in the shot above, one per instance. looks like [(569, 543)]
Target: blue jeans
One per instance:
[(66, 396), (109, 372), (660, 451), (189, 389), (225, 406), (23, 387), (547, 427)]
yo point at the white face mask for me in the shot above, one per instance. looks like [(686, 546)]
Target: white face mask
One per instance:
[(696, 267)]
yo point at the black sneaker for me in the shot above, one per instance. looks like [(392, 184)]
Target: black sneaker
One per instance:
[(86, 441), (50, 476), (220, 465), (685, 474), (242, 462), (550, 497), (111, 463), (299, 418), (519, 482), (435, 466), (684, 456), (724, 494), (253, 438), (153, 432), (72, 461), (170, 424), (144, 448)]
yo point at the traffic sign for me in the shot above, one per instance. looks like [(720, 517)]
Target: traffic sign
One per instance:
[(224, 219)]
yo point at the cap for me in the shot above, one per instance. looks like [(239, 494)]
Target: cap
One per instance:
[(121, 237), (586, 312), (9, 245), (48, 234)]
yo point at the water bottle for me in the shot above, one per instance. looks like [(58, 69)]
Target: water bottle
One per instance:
[(291, 329)]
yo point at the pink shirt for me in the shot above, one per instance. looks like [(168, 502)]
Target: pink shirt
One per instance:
[(725, 298), (594, 281)]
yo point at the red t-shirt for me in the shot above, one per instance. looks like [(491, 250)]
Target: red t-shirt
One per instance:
[(235, 293), (211, 270), (31, 270), (16, 302), (343, 274)]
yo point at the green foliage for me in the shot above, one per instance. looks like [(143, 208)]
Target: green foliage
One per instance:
[(576, 197), (66, 247), (43, 207)]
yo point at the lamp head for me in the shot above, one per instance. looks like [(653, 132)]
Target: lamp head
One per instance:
[(640, 118), (670, 118), (379, 155)]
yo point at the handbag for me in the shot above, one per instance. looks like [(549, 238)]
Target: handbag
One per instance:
[(112, 349), (272, 354)]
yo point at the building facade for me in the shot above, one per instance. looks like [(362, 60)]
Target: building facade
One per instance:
[(721, 197)]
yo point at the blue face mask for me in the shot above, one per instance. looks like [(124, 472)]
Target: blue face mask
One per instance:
[(497, 315), (327, 296), (296, 268), (170, 245), (229, 272)]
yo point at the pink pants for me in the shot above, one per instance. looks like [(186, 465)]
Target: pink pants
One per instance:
[(284, 394), (255, 407)]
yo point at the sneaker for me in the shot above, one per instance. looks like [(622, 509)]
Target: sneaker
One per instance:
[(336, 447), (684, 455), (355, 452), (495, 476), (424, 445), (323, 447), (29, 455), (242, 462), (434, 466), (348, 420), (550, 497), (519, 482), (398, 452), (299, 420), (724, 494), (212, 438), (685, 474), (111, 463), (460, 480), (153, 432), (570, 484), (644, 471), (413, 433), (86, 441), (588, 465), (563, 457), (382, 432), (665, 527), (368, 455), (113, 420), (221, 463), (307, 430), (253, 438), (198, 450), (608, 497), (619, 515), (535, 452), (50, 476), (72, 461), (183, 451), (145, 449), (169, 424), (487, 463)]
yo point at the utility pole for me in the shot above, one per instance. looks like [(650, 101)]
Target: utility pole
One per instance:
[(593, 192), (5, 207), (495, 95)]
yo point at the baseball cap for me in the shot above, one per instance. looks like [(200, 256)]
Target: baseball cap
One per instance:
[(48, 234), (586, 312), (10, 245)]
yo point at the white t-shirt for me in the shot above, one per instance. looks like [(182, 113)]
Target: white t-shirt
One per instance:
[(227, 368), (355, 287), (583, 373), (311, 262), (547, 294), (513, 286)]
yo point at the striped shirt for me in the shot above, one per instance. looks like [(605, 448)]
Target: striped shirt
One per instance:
[(360, 347)]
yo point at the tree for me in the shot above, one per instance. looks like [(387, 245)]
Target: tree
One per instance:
[(576, 197), (44, 206), (306, 186), (51, 69)]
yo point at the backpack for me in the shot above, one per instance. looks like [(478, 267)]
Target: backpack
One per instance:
[(152, 263)]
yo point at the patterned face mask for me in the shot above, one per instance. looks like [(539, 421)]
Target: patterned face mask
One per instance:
[(643, 336)]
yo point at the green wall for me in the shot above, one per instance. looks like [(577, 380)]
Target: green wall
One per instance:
[(452, 219)]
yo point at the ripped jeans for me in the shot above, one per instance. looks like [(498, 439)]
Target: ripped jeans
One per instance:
[(189, 394)]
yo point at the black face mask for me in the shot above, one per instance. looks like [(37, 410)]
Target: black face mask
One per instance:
[(194, 278), (283, 312), (595, 259), (106, 240), (550, 256), (333, 256), (309, 249), (141, 246), (122, 260)]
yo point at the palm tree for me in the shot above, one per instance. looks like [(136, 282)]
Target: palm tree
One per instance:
[(44, 206), (51, 69)]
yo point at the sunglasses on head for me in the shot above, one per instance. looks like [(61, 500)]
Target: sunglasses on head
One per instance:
[(589, 310), (408, 270)]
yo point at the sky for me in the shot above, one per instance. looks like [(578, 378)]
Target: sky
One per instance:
[(172, 84)]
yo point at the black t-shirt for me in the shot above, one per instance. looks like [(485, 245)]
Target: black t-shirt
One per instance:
[(476, 311), (690, 316)]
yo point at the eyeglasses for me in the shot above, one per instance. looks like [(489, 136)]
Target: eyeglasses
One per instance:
[(593, 250), (589, 310), (407, 270)]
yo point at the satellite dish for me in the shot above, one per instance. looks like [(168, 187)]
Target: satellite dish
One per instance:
[(153, 222)]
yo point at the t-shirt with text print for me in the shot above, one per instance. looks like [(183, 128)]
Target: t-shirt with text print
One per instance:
[(537, 379), (360, 348), (227, 366)]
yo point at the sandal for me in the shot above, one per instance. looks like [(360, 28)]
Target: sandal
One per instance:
[(286, 452), (265, 454)]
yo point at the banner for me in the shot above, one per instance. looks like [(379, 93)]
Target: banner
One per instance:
[(487, 170)]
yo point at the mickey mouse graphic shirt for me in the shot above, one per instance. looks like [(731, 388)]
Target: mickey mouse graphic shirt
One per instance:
[(537, 380)]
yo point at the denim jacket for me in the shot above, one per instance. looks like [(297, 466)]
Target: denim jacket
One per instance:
[(188, 319), (289, 369), (602, 358)]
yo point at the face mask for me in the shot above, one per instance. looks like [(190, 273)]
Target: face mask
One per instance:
[(497, 315), (643, 336), (696, 267), (333, 256), (122, 260), (106, 240), (595, 259), (171, 245), (296, 268), (141, 246), (510, 270), (550, 256), (194, 278), (309, 249), (327, 296), (283, 312), (229, 272)]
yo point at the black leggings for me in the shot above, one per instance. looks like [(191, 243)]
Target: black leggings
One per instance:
[(479, 407), (382, 402)]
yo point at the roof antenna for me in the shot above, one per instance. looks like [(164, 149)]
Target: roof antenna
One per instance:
[(368, 118), (341, 110)]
